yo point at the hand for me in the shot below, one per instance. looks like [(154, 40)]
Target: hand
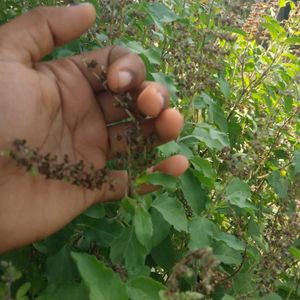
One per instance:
[(60, 107)]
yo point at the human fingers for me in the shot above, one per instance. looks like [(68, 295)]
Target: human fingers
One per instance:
[(117, 185), (114, 68), (30, 37), (175, 166), (166, 127), (150, 99)]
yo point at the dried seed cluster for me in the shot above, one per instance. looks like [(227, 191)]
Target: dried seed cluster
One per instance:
[(280, 236), (253, 23), (200, 263), (50, 166), (114, 20), (196, 64), (202, 48)]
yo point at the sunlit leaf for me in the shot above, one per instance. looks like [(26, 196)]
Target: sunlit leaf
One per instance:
[(237, 193), (172, 211), (144, 288), (143, 225), (161, 14), (193, 192), (279, 184), (158, 178), (102, 282), (225, 88), (297, 161), (126, 248), (201, 232), (295, 252), (212, 137), (230, 240)]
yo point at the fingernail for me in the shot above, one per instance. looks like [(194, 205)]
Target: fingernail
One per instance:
[(125, 79)]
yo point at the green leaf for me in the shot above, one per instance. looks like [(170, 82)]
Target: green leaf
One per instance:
[(295, 252), (216, 115), (279, 184), (126, 248), (135, 46), (61, 267), (102, 231), (172, 211), (202, 101), (165, 80), (215, 112), (293, 40), (274, 28), (152, 54), (165, 254), (65, 291), (172, 147), (296, 161), (225, 88), (288, 103), (282, 3), (40, 246), (204, 171), (199, 102), (230, 240), (143, 226), (272, 296), (193, 192), (160, 14), (201, 232), (237, 193), (236, 30), (255, 232), (67, 50), (159, 178), (161, 227), (23, 290), (227, 297), (96, 211), (102, 282), (227, 255), (61, 53), (212, 137), (204, 166), (144, 288), (234, 129), (55, 242), (243, 284)]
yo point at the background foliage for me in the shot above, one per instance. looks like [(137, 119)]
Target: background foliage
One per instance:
[(229, 227)]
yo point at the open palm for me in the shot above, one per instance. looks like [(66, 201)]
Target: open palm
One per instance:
[(61, 108)]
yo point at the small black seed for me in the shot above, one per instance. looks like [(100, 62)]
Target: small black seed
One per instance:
[(92, 64)]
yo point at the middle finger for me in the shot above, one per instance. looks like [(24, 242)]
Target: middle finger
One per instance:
[(148, 100)]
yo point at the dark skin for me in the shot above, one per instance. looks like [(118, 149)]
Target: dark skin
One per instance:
[(60, 107)]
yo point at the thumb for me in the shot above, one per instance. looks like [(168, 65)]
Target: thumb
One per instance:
[(30, 37)]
